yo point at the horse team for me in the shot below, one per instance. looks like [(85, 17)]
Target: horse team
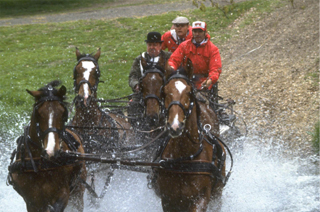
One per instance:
[(192, 170)]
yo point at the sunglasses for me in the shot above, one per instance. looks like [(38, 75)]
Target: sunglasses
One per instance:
[(180, 25)]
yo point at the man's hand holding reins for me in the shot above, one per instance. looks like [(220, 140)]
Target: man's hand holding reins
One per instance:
[(206, 83)]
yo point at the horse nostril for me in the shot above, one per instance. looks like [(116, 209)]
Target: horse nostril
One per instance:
[(152, 120), (174, 130)]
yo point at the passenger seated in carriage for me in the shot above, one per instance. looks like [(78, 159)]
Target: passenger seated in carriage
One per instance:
[(206, 62), (151, 56), (180, 32)]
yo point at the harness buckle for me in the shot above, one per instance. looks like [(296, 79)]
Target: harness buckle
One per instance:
[(207, 128)]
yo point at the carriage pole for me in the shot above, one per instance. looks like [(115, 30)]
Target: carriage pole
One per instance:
[(99, 159)]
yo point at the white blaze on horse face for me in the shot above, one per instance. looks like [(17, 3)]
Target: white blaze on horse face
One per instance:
[(180, 86), (175, 123), (51, 140), (87, 65), (153, 77)]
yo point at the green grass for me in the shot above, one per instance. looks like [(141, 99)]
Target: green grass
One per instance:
[(315, 137), (17, 8), (12, 8), (33, 55)]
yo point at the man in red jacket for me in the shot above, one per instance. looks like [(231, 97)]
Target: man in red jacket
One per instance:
[(206, 62), (204, 55), (180, 32)]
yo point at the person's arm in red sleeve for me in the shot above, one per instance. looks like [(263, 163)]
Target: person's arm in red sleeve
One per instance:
[(176, 58), (214, 65)]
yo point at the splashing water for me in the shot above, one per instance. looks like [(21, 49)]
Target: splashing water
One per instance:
[(263, 179)]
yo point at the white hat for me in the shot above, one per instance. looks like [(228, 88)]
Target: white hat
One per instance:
[(199, 25), (180, 20)]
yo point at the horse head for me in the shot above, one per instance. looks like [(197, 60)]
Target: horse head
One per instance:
[(86, 76), (151, 84), (178, 98), (48, 118)]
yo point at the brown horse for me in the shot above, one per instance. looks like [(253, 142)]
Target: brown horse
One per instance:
[(101, 130), (193, 164), (45, 180), (151, 84)]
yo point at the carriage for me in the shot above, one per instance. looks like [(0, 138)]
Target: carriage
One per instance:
[(174, 137)]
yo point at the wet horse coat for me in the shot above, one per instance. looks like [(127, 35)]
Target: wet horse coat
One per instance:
[(151, 84), (193, 166), (45, 180), (101, 130)]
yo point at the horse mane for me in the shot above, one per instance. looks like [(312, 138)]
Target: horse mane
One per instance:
[(180, 71), (52, 85), (85, 55)]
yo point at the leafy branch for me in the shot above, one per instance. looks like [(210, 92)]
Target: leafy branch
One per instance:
[(224, 8)]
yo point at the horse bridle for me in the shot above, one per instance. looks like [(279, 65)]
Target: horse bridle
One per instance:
[(192, 102), (94, 87), (41, 134), (153, 96)]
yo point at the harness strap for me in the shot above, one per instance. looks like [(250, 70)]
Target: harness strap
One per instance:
[(71, 141), (28, 149), (40, 163), (192, 167)]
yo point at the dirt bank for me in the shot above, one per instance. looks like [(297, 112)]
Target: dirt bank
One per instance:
[(272, 84)]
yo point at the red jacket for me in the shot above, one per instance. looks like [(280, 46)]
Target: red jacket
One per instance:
[(171, 41), (206, 60)]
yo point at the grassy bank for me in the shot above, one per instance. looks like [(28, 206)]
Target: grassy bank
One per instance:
[(33, 55), (17, 8), (9, 8)]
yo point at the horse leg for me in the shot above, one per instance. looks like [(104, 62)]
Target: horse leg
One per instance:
[(77, 193), (200, 202), (200, 205), (32, 208), (169, 205), (76, 198), (61, 203), (216, 197)]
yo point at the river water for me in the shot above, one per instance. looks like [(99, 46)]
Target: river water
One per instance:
[(264, 179)]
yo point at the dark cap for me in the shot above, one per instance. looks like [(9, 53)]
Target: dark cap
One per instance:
[(154, 37)]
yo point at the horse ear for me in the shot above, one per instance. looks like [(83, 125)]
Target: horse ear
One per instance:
[(62, 91), (78, 54), (162, 61), (143, 62), (189, 68), (97, 55), (36, 94), (168, 70)]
